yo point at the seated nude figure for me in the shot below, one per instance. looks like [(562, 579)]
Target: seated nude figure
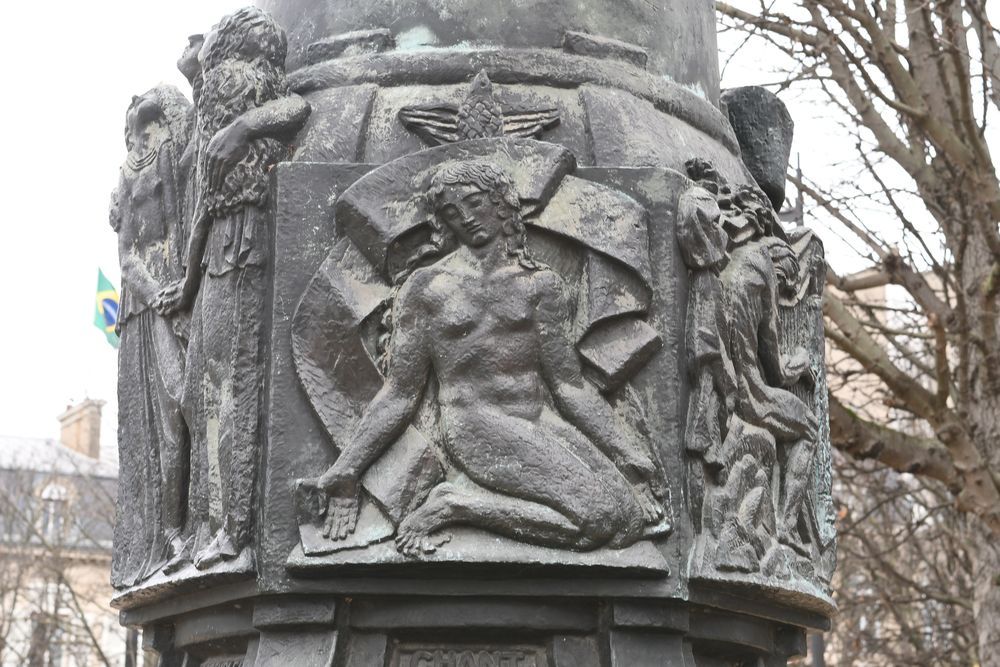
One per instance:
[(547, 461)]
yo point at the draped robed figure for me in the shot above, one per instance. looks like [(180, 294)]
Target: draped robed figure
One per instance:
[(152, 436)]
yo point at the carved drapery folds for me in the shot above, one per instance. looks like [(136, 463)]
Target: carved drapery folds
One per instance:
[(193, 223), (145, 214), (756, 426)]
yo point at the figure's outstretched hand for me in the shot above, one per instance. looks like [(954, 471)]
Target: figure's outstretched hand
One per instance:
[(337, 483), (229, 145), (341, 517), (800, 419), (342, 504)]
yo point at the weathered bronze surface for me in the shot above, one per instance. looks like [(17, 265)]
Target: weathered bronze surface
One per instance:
[(458, 345)]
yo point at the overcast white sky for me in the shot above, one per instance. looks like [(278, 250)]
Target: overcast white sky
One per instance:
[(71, 69), (70, 72)]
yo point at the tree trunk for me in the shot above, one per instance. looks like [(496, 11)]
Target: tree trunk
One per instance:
[(971, 232), (986, 602)]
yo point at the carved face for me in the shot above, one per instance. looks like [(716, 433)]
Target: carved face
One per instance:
[(471, 215), (786, 266), (188, 62), (142, 123)]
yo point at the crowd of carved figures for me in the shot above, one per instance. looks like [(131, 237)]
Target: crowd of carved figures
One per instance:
[(190, 212), (541, 449), (755, 362)]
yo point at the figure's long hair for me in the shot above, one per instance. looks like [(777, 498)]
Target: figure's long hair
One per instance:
[(248, 34), (257, 43), (499, 187), (746, 212), (496, 184)]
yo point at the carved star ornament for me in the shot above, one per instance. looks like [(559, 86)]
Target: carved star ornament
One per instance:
[(479, 116)]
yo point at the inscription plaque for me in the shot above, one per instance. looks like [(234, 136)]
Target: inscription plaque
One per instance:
[(224, 661), (468, 655)]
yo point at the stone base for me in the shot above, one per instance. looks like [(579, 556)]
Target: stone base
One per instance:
[(187, 579), (794, 584), (473, 632), (472, 551)]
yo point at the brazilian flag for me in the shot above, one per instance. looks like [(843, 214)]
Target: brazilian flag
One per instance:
[(106, 316)]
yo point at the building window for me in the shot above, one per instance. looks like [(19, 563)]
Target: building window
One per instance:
[(53, 512)]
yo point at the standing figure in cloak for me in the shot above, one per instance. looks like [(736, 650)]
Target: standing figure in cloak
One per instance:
[(152, 437), (544, 458), (245, 119), (703, 244)]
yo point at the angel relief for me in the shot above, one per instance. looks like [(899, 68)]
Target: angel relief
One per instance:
[(501, 407)]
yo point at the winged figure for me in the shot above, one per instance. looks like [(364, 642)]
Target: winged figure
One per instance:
[(479, 116)]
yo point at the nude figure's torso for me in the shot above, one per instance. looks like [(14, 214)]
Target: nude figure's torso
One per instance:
[(483, 339)]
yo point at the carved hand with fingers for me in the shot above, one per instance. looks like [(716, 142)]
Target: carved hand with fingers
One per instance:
[(229, 145), (637, 466), (797, 366), (342, 504), (175, 297), (341, 517)]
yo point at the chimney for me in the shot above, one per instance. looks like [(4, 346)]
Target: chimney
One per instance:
[(81, 428)]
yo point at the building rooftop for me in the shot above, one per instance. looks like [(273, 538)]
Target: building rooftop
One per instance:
[(46, 455)]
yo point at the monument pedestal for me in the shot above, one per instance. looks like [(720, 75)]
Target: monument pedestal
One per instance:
[(489, 349), (487, 630)]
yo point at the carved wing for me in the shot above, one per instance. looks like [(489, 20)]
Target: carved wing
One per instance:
[(435, 124), (528, 124)]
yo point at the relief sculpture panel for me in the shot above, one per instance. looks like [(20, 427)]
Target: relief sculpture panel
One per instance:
[(495, 382), (146, 215), (193, 218), (755, 423), (473, 355)]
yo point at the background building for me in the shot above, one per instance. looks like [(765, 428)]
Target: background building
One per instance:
[(57, 503)]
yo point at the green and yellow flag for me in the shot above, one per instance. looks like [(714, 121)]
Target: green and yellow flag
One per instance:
[(106, 316)]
